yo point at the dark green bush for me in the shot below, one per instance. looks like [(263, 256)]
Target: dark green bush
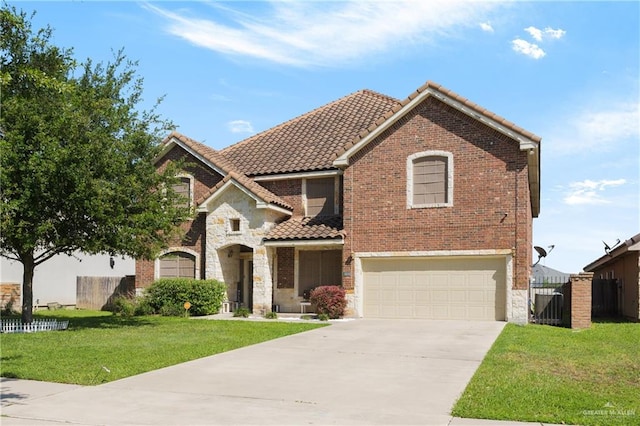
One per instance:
[(241, 312), (143, 307), (329, 300), (167, 296), (124, 306), (129, 306), (271, 315), (323, 317)]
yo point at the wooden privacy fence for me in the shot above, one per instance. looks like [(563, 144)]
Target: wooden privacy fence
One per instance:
[(99, 292)]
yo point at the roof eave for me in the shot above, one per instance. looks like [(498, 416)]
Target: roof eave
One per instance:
[(260, 203), (632, 244), (173, 140), (305, 242), (526, 142)]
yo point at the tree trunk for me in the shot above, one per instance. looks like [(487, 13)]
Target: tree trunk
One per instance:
[(27, 288)]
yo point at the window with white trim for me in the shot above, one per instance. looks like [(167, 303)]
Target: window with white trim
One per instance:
[(430, 179)]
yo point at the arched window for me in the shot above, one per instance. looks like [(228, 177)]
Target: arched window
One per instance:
[(430, 179), (177, 264)]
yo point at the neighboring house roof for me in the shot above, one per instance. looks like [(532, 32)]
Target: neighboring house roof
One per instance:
[(632, 244), (542, 273), (309, 142), (527, 140), (317, 228)]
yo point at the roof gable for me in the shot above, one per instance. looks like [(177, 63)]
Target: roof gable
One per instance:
[(309, 142), (217, 162), (262, 196), (527, 141)]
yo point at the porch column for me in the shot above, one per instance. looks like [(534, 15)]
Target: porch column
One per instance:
[(262, 282)]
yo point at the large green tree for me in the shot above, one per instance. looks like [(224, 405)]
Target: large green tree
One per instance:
[(76, 156)]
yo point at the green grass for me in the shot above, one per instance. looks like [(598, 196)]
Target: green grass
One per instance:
[(556, 375), (99, 347)]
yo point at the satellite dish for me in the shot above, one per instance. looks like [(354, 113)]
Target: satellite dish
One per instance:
[(541, 253)]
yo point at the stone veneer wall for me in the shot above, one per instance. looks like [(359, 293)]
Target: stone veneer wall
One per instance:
[(254, 224)]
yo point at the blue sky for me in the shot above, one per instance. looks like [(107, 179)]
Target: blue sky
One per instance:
[(566, 71)]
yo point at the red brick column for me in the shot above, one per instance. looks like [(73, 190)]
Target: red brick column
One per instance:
[(581, 300)]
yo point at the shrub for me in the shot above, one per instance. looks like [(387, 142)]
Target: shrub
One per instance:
[(323, 317), (329, 300), (124, 306), (241, 312), (167, 296), (172, 310), (143, 307), (271, 315), (8, 310), (129, 306)]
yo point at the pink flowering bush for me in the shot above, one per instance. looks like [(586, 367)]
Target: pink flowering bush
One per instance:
[(329, 300)]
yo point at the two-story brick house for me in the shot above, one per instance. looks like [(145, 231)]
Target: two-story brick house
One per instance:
[(420, 208)]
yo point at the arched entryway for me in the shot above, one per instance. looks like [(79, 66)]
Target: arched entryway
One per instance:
[(238, 271)]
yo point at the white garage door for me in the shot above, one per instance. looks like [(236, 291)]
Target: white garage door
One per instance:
[(428, 288)]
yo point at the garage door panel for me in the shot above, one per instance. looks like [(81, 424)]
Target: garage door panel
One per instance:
[(451, 288)]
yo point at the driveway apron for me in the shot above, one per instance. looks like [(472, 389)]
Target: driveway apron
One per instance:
[(352, 372)]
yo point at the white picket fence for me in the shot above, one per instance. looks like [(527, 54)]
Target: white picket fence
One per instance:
[(16, 325)]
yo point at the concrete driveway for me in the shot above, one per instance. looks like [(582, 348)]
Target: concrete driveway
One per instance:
[(353, 372)]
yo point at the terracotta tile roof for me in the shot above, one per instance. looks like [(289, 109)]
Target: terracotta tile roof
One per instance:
[(208, 153), (305, 228), (309, 142), (215, 158), (254, 187)]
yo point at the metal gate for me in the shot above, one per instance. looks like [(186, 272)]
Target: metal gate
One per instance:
[(604, 298)]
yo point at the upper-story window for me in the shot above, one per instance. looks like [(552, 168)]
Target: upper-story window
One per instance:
[(320, 196), (184, 189), (430, 179)]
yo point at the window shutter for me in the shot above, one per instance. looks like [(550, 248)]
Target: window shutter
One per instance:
[(430, 180)]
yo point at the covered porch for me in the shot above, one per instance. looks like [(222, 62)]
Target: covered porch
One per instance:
[(307, 253)]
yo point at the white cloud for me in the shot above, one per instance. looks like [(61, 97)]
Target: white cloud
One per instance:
[(557, 34), (589, 191), (597, 128), (538, 34), (535, 33), (240, 126), (528, 49), (485, 26), (323, 33)]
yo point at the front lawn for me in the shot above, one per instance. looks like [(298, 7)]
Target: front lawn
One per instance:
[(99, 347), (556, 375)]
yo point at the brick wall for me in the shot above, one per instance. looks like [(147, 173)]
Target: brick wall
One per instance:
[(290, 191), (490, 179), (285, 267), (193, 231), (579, 298)]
